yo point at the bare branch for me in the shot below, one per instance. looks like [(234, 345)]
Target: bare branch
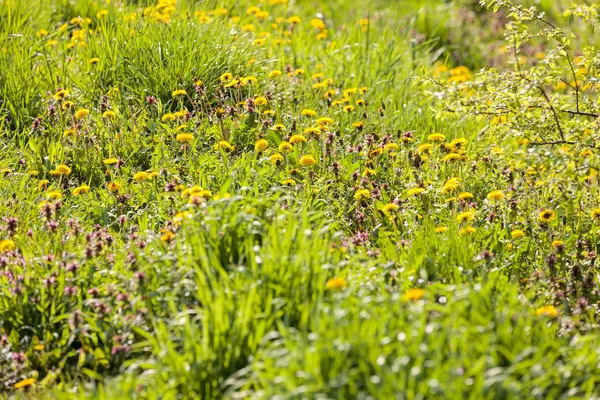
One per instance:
[(586, 114), (560, 130)]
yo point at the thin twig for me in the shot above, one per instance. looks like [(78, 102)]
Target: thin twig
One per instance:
[(586, 114), (574, 79), (554, 142), (568, 83), (560, 130)]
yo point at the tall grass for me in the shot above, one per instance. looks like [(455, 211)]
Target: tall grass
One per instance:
[(207, 267)]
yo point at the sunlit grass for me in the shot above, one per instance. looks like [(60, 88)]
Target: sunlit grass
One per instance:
[(242, 199)]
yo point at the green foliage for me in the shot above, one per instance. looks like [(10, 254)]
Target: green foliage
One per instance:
[(550, 98), (276, 199)]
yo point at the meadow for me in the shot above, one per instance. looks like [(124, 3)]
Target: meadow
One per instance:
[(299, 199)]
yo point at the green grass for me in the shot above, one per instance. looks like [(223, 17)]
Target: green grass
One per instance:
[(214, 276)]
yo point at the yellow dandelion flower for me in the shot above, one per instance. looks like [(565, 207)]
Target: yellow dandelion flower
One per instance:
[(324, 121), (546, 216), (317, 23), (547, 311), (451, 157), (109, 114), (390, 207), (62, 169), (467, 230), (7, 245), (82, 113), (465, 196), (327, 94), (465, 216), (517, 234), (110, 161), (278, 127), (198, 192), (458, 141), (441, 229), (436, 137), (307, 160), (261, 101), (369, 172), (276, 158), (308, 113), (61, 94), (81, 189), (226, 77), (295, 139), (261, 145), (54, 194), (167, 237), (179, 92), (252, 10), (413, 294), (180, 114), (285, 147), (312, 130), (495, 195), (140, 176), (450, 185), (69, 133), (424, 148), (113, 186), (184, 137), (415, 191), (225, 145), (322, 35), (294, 19), (168, 117), (232, 83), (350, 91), (390, 147), (336, 284), (24, 383), (362, 194), (248, 28), (262, 15)]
